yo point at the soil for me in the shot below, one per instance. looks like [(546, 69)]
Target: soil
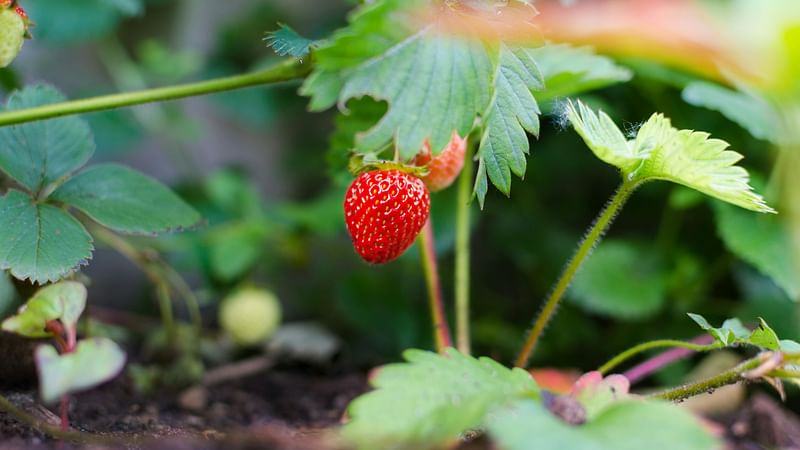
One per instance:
[(285, 409)]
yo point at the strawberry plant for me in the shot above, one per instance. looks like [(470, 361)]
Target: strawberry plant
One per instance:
[(434, 102), (73, 365)]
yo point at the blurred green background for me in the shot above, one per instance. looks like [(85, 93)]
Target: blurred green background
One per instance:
[(268, 177)]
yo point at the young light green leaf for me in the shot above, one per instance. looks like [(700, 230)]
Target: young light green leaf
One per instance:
[(752, 113), (64, 301), (37, 154), (762, 241), (432, 399), (512, 113), (94, 361), (42, 243), (625, 425), (571, 70), (285, 41), (661, 152), (764, 336), (126, 201), (731, 331), (621, 280), (603, 137)]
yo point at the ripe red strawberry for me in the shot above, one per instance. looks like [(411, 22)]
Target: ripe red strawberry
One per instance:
[(384, 211), (445, 168)]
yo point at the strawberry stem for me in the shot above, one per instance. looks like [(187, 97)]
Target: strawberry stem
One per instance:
[(704, 344), (287, 70), (589, 242), (462, 257), (441, 330)]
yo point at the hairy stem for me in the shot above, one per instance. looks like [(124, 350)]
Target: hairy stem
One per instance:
[(708, 385), (441, 330), (284, 71), (462, 257), (592, 238), (633, 351), (656, 363)]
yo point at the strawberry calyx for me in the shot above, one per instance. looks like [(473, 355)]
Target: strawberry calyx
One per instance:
[(361, 163)]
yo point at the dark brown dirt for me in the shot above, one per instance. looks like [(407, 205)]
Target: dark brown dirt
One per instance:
[(284, 409), (280, 409)]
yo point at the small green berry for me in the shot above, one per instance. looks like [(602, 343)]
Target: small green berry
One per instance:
[(250, 316), (12, 35)]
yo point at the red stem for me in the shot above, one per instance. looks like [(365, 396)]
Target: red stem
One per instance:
[(656, 363), (65, 346), (441, 330)]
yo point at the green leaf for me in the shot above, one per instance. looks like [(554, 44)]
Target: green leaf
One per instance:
[(235, 247), (373, 28), (126, 201), (513, 111), (733, 332), (8, 295), (93, 362), (661, 152), (63, 301), (625, 425), (764, 336), (285, 41), (621, 280), (434, 84), (37, 154), (569, 71), (748, 111), (762, 241), (39, 241), (432, 399)]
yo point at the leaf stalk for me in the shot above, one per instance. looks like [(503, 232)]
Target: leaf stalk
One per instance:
[(589, 242), (287, 70), (441, 330)]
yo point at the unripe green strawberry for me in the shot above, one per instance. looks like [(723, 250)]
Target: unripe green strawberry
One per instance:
[(385, 210), (250, 316), (445, 168), (13, 30)]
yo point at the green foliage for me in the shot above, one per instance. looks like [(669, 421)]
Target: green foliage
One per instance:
[(622, 280), (762, 241), (93, 362), (48, 243), (512, 112), (42, 157), (126, 201), (62, 22), (63, 302), (285, 41), (732, 332), (570, 70), (40, 153), (432, 399), (750, 112), (434, 84), (624, 425), (661, 152)]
